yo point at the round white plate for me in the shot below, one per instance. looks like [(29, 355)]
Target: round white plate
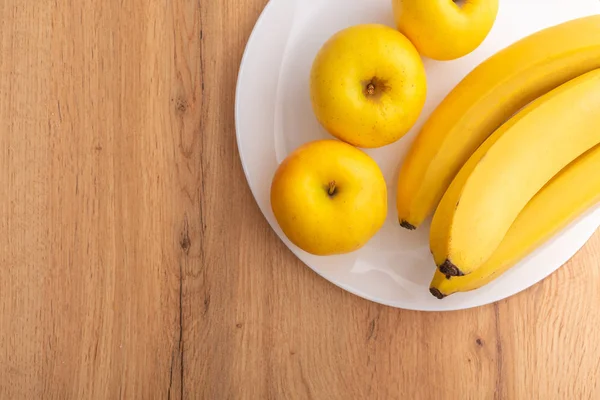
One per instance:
[(274, 116)]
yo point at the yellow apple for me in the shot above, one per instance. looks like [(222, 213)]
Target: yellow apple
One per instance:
[(445, 29), (368, 85), (329, 197)]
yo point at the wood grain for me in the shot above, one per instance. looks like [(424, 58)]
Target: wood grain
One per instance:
[(136, 264)]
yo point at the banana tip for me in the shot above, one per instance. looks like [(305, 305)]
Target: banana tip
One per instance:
[(435, 292), (407, 225), (449, 269)]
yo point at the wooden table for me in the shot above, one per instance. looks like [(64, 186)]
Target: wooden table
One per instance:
[(136, 264)]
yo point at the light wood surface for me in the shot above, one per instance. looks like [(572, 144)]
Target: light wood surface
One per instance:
[(135, 263)]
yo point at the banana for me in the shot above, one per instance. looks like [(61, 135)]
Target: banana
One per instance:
[(485, 99), (509, 168), (572, 192)]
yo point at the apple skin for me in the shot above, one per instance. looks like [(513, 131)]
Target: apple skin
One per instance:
[(329, 197), (368, 85), (443, 29)]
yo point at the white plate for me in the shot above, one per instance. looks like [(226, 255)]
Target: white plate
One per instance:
[(274, 116)]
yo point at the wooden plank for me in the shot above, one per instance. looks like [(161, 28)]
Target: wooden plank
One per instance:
[(136, 264)]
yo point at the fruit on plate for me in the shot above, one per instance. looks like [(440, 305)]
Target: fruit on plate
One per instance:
[(445, 29), (567, 196), (329, 197), (509, 168), (486, 98), (368, 85)]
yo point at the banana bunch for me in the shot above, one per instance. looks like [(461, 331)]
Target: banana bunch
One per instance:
[(509, 157), (569, 194)]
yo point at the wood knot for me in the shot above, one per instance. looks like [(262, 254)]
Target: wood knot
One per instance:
[(206, 304), (181, 105), (185, 243), (184, 239)]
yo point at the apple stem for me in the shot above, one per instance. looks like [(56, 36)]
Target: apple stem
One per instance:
[(331, 190), (371, 89)]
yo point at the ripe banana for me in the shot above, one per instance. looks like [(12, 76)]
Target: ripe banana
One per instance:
[(568, 195), (509, 168), (485, 99)]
